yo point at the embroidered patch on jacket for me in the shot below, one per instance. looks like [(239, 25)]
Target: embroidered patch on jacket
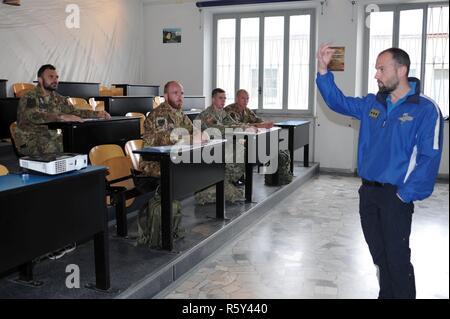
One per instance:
[(406, 118), (374, 113), (161, 122)]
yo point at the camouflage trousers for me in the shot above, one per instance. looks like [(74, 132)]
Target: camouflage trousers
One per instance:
[(38, 144), (233, 171), (149, 222)]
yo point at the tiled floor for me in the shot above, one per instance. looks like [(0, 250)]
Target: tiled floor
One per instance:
[(312, 246)]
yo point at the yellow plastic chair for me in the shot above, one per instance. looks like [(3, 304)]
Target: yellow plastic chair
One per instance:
[(157, 100), (116, 91), (80, 103), (3, 170), (20, 89), (141, 119), (121, 190), (131, 146)]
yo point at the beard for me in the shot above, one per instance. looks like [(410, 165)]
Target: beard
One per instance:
[(175, 104), (388, 87), (50, 87)]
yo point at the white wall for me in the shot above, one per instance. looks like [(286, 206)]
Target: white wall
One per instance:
[(335, 142), (107, 48), (174, 61)]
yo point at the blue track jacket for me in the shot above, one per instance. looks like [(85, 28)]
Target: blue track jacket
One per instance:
[(402, 147)]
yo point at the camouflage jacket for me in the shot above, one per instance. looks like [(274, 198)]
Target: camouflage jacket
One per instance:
[(35, 110), (247, 116), (217, 119), (158, 126)]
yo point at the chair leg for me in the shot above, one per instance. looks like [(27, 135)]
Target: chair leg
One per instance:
[(121, 214)]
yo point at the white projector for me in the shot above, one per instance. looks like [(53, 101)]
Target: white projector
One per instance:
[(53, 164)]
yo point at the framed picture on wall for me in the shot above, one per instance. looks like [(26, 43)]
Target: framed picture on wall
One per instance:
[(171, 35), (337, 61)]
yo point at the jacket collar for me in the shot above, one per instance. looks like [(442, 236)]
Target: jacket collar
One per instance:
[(381, 97)]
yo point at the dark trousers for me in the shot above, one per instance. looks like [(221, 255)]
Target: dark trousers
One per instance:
[(386, 223)]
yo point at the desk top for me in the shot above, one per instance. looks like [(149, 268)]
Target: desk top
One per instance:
[(292, 123), (144, 85), (3, 80), (94, 120), (14, 181), (260, 131), (166, 149)]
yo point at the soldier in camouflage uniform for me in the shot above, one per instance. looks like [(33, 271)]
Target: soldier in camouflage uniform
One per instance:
[(242, 114), (216, 117), (43, 105), (159, 124)]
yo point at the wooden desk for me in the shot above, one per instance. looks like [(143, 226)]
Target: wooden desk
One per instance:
[(251, 158), (81, 137), (40, 214), (298, 137), (183, 179), (138, 89)]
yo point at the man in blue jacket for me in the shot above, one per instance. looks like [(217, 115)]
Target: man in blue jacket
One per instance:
[(400, 147)]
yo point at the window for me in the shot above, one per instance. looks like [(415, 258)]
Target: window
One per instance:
[(269, 55), (422, 31)]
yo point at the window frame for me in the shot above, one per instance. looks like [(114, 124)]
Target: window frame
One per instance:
[(286, 45), (396, 9)]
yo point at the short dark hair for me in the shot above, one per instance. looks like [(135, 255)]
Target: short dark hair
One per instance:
[(217, 91), (43, 68), (400, 56)]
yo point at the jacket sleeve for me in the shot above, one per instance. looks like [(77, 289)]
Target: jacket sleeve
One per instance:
[(29, 111), (422, 173), (336, 100)]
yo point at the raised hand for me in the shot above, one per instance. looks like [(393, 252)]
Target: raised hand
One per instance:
[(324, 55)]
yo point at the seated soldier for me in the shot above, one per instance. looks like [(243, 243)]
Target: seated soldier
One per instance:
[(158, 125), (43, 105), (242, 114), (216, 117)]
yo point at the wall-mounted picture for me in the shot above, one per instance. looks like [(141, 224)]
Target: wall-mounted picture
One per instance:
[(337, 61), (172, 35)]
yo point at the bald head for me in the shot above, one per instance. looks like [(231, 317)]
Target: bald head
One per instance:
[(242, 98), (174, 94)]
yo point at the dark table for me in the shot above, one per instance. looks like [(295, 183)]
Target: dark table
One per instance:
[(252, 144), (121, 105), (81, 137), (179, 180), (8, 114), (298, 137), (78, 89), (3, 88), (40, 214), (138, 89)]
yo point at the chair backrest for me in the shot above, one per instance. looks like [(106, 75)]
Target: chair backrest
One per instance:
[(105, 91), (80, 103), (20, 89), (141, 119), (157, 100), (3, 170), (96, 105), (131, 146), (100, 153), (116, 91), (12, 132)]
